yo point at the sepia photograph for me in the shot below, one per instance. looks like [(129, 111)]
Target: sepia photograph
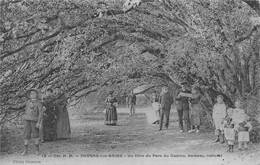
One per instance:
[(136, 82)]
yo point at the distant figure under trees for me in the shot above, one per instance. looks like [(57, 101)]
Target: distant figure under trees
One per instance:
[(131, 101), (111, 113)]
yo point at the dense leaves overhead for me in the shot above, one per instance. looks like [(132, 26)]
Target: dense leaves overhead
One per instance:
[(88, 45)]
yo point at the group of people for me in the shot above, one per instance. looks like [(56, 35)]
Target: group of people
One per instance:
[(229, 122), (55, 123), (47, 119), (161, 106), (189, 106), (189, 120), (44, 119)]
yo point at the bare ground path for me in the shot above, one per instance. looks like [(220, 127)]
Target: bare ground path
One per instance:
[(133, 136)]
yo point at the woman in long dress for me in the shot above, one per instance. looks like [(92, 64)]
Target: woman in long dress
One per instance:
[(111, 113), (49, 118), (196, 113), (63, 122)]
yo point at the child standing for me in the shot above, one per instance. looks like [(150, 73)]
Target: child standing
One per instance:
[(242, 125), (229, 130), (156, 108), (32, 120), (219, 113)]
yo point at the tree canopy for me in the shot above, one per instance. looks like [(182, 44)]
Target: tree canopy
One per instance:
[(87, 45)]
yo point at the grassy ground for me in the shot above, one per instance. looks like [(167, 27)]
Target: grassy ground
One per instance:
[(133, 136)]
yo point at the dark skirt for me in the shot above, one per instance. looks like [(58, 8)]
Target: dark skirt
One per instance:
[(63, 124), (111, 115), (196, 115), (49, 129)]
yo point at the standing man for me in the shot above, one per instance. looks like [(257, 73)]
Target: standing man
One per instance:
[(132, 103), (166, 102), (183, 108)]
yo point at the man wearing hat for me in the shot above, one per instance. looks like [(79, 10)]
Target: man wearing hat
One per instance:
[(32, 119), (183, 108), (166, 102)]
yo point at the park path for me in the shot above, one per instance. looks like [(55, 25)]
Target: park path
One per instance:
[(133, 139)]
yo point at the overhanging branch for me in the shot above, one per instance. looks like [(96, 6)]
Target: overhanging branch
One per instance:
[(246, 36), (254, 4)]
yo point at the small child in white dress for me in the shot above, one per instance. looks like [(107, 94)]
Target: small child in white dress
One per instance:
[(156, 107), (229, 130), (242, 125), (153, 114), (219, 113)]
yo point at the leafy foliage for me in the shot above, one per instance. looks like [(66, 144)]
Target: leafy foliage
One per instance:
[(87, 46)]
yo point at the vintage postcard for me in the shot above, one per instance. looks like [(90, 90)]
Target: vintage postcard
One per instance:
[(129, 82)]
